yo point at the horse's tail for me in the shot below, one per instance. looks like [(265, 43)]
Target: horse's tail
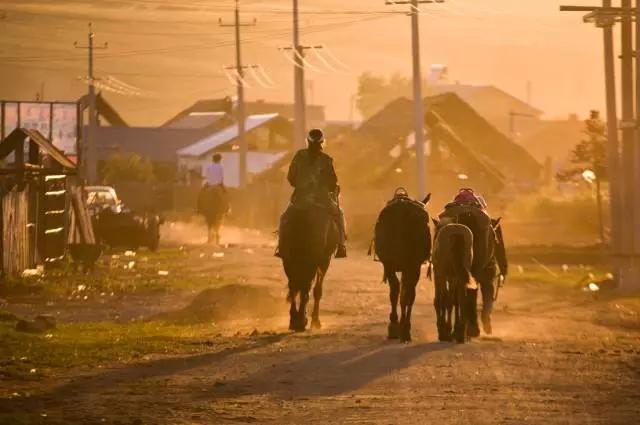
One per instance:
[(455, 241)]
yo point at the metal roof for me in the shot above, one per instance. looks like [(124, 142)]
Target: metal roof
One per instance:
[(196, 120), (226, 135)]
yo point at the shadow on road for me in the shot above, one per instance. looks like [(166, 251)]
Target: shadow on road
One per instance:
[(86, 386), (328, 374)]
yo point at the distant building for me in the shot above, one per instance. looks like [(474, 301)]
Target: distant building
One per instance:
[(504, 111), (315, 114), (269, 139)]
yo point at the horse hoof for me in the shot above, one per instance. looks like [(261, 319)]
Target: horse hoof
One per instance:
[(486, 324), (473, 331), (394, 330), (315, 324), (444, 337), (292, 325), (405, 333), (301, 325)]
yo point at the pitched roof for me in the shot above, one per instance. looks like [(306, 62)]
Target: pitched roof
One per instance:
[(208, 143), (157, 144), (493, 103), (196, 120), (485, 146), (315, 113), (17, 136), (486, 140)]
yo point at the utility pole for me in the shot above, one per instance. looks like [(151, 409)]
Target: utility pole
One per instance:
[(613, 152), (622, 213), (419, 112), (241, 114), (300, 106), (636, 176), (300, 119), (89, 150)]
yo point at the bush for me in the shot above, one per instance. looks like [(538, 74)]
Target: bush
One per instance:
[(122, 168)]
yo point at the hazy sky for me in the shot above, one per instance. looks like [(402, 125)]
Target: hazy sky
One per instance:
[(174, 50)]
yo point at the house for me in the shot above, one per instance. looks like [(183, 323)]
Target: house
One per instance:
[(504, 111), (269, 139), (462, 149), (315, 114), (554, 139)]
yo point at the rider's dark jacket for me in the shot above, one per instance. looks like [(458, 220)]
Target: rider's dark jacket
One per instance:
[(313, 177)]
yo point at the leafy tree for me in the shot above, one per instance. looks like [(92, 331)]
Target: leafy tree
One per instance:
[(588, 160), (127, 168), (375, 91)]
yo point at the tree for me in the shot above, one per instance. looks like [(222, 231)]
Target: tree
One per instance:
[(374, 92), (127, 168), (589, 161)]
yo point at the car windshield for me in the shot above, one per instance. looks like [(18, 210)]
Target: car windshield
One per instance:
[(101, 198)]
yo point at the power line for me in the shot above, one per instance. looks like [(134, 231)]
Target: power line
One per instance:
[(183, 48)]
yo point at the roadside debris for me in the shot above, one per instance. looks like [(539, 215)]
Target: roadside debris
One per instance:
[(41, 324), (37, 272)]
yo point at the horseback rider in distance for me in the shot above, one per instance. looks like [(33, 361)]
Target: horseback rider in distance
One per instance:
[(315, 184)]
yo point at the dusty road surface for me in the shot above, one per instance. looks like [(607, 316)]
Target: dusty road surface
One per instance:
[(556, 356)]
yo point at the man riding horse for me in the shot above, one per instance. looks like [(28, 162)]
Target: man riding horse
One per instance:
[(312, 230), (315, 184), (212, 200)]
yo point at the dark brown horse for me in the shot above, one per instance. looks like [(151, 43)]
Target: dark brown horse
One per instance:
[(403, 245), (213, 204), (309, 238)]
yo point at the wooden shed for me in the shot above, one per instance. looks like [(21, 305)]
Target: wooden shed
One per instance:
[(35, 182)]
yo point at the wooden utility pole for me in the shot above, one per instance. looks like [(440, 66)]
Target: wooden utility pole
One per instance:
[(613, 152), (89, 151), (241, 113), (419, 110), (622, 170), (299, 121), (300, 102), (636, 177)]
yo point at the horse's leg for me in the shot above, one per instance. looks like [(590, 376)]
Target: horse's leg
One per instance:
[(460, 315), (317, 295), (410, 279), (440, 305), (449, 296), (301, 321), (293, 312), (487, 287), (394, 292), (471, 312)]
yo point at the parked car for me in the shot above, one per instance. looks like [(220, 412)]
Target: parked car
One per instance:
[(117, 226)]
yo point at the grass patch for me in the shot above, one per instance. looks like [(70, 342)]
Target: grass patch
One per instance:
[(555, 275), (115, 273), (31, 357)]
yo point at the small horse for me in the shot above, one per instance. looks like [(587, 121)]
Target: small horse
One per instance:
[(213, 204), (455, 288), (309, 239), (402, 243), (489, 255)]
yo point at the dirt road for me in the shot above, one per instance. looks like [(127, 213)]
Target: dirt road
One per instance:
[(556, 356)]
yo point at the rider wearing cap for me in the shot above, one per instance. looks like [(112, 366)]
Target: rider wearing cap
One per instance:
[(315, 183)]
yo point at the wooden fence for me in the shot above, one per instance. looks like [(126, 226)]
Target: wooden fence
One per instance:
[(17, 233)]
